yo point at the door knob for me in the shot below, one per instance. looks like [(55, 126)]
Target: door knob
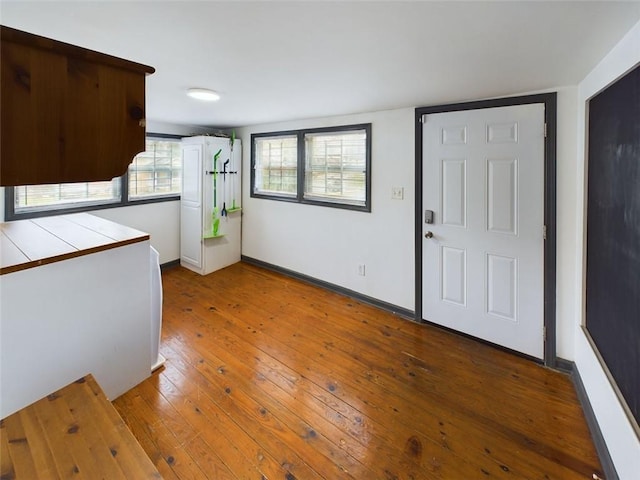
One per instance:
[(428, 235)]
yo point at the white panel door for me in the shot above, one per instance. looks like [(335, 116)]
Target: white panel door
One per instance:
[(191, 174), (483, 255), (191, 206)]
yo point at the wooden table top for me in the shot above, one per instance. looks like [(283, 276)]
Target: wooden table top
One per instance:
[(73, 432), (39, 241)]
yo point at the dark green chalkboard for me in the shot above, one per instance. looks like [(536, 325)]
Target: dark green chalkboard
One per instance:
[(613, 233)]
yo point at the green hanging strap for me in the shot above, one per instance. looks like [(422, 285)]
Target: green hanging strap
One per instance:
[(215, 221)]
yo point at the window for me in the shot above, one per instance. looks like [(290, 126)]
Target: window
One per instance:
[(276, 165), (322, 166), (154, 175), (336, 167), (29, 198), (157, 171)]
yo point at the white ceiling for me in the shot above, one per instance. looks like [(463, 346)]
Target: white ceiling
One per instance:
[(275, 61)]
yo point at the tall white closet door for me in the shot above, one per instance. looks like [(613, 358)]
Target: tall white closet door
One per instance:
[(191, 206), (204, 250)]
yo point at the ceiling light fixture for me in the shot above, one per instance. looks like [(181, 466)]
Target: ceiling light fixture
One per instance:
[(203, 94)]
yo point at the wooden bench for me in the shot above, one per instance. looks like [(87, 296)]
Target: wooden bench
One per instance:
[(73, 432)]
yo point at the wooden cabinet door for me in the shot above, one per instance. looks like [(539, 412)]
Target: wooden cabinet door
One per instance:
[(68, 114)]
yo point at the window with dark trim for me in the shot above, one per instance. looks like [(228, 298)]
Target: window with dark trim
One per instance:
[(320, 166), (156, 172), (153, 176)]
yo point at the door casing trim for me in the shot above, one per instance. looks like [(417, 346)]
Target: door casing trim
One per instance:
[(550, 112)]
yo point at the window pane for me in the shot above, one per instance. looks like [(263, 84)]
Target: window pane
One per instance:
[(157, 171), (336, 166), (276, 165), (65, 195)]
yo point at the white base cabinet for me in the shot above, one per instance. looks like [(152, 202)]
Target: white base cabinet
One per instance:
[(75, 298), (211, 171)]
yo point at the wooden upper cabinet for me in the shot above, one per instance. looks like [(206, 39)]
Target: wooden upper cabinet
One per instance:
[(68, 114)]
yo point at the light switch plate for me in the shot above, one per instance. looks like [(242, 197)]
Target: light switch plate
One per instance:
[(397, 193)]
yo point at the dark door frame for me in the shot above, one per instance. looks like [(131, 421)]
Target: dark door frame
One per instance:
[(550, 110)]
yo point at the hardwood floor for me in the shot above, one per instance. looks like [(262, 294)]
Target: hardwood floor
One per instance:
[(271, 378)]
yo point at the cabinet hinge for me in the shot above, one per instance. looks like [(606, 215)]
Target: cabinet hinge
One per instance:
[(544, 232)]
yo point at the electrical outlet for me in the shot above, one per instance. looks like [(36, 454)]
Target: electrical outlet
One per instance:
[(397, 193), (361, 270)]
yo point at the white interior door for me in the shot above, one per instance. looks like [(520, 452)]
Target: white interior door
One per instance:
[(483, 255), (191, 206)]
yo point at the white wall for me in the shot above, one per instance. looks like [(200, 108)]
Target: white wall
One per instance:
[(329, 243), (622, 442), (160, 220), (565, 221), (286, 234)]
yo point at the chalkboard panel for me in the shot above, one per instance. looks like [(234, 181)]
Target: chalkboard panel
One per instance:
[(613, 234)]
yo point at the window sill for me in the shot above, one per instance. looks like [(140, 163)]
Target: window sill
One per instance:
[(26, 214)]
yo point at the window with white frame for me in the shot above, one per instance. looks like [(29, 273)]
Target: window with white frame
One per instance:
[(323, 166), (154, 175)]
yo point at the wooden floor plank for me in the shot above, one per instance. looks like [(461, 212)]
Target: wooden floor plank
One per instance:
[(246, 417), (139, 430), (316, 411), (449, 444), (454, 439), (171, 450), (242, 452), (273, 400), (305, 383), (208, 462), (372, 366), (474, 396), (210, 432)]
